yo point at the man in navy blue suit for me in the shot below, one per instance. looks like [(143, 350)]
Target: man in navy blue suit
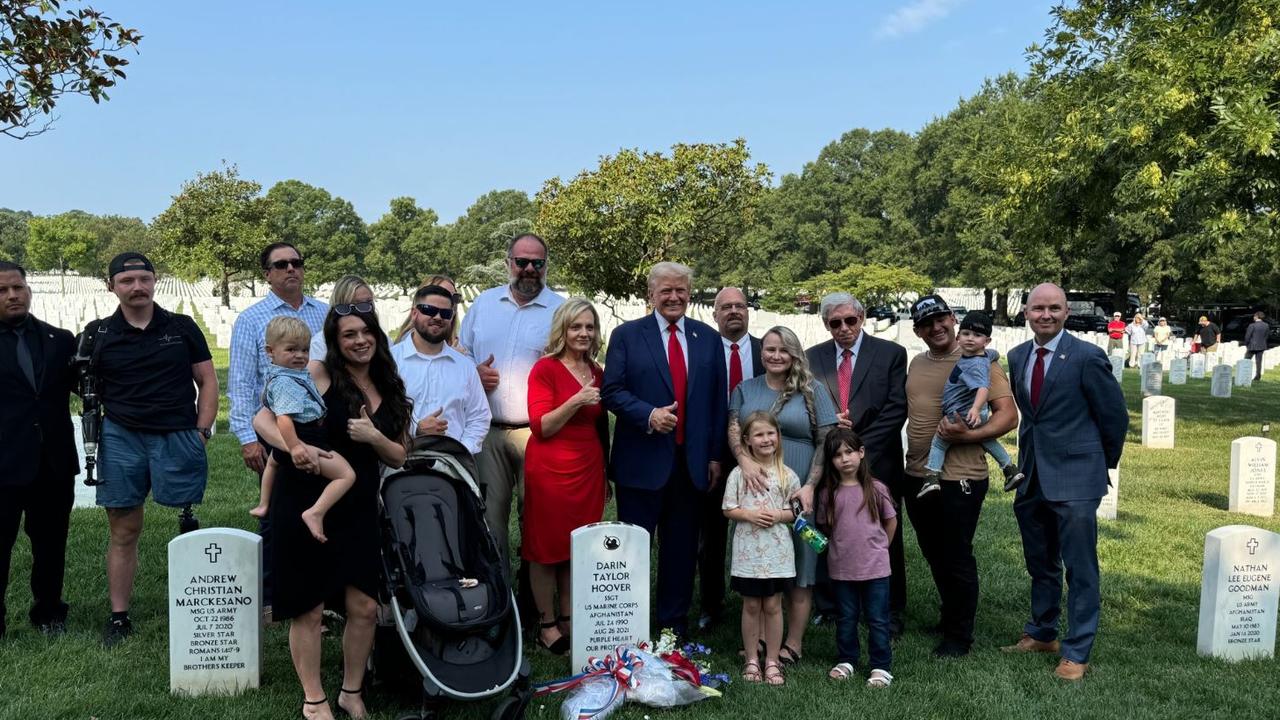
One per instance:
[(1074, 421), (664, 380)]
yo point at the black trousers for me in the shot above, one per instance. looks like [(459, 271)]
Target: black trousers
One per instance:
[(824, 601), (1257, 362), (945, 523), (713, 547), (46, 505)]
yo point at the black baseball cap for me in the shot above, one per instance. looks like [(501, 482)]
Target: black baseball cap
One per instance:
[(977, 322), (927, 307), (129, 261)]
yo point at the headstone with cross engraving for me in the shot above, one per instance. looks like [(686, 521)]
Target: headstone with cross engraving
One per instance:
[(1239, 593), (609, 574), (215, 611), (1253, 476), (1158, 413)]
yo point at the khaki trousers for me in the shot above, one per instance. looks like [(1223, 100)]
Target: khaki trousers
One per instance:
[(501, 467)]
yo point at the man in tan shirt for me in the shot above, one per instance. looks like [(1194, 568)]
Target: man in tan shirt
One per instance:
[(945, 521)]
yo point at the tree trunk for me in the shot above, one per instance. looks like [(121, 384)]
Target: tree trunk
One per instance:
[(1002, 305), (986, 300), (226, 289)]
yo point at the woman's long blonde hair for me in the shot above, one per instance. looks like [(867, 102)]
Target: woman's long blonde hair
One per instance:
[(560, 321), (799, 379), (407, 325), (345, 289)]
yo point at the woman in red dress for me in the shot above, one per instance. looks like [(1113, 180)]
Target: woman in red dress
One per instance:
[(564, 464)]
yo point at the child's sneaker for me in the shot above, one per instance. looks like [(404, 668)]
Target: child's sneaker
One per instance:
[(1013, 477), (930, 485)]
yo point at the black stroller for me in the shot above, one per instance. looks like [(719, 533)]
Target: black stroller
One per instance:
[(450, 605)]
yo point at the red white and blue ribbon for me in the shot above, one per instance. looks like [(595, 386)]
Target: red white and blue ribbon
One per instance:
[(620, 666)]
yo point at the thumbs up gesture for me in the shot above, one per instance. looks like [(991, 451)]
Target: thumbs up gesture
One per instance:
[(362, 429), (663, 419), (488, 374), (433, 424)]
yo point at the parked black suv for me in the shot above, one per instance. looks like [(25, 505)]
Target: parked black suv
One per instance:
[(1233, 329)]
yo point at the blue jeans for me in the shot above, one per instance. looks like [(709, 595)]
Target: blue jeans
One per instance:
[(852, 598), (938, 448)]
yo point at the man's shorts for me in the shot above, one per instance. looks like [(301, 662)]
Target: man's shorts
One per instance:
[(171, 465)]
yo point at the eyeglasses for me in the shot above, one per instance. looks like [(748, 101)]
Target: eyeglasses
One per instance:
[(295, 263), (522, 263), (851, 321), (365, 307), (432, 311)]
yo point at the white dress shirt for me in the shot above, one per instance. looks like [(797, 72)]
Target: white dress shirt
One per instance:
[(516, 336), (445, 380), (1052, 347), (663, 325)]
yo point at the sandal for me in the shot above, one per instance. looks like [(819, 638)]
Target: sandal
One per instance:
[(788, 656), (879, 679), (348, 713), (559, 647), (742, 652), (842, 671), (773, 673), (322, 701), (751, 671)]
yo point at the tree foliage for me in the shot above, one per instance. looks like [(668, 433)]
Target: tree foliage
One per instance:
[(404, 245), (45, 55), (480, 236), (60, 243), (325, 229), (607, 226), (13, 235)]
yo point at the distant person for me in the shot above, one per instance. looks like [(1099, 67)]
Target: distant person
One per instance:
[(37, 447), (1208, 335), (1115, 333), (160, 397), (1160, 337), (1255, 342), (506, 332), (732, 315), (1137, 333), (1073, 428)]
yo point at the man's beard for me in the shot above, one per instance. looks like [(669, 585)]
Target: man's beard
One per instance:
[(528, 286), (427, 335)]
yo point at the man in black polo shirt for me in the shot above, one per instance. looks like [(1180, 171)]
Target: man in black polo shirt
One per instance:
[(155, 425), (37, 450)]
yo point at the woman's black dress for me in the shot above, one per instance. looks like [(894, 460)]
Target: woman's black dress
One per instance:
[(305, 572)]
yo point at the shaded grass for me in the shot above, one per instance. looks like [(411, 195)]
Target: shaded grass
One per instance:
[(1144, 664)]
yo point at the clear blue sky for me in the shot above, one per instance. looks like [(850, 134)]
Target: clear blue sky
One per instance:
[(443, 101)]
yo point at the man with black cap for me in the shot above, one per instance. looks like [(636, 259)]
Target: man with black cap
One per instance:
[(946, 521), (37, 448), (156, 421)]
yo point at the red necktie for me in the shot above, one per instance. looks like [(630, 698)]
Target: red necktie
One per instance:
[(675, 358), (844, 378), (1037, 376), (735, 367)]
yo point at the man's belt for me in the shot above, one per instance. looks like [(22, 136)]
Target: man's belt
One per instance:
[(508, 426)]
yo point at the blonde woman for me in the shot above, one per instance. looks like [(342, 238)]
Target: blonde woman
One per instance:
[(805, 413), (564, 469), (447, 283)]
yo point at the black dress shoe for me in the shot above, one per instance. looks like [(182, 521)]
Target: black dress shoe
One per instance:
[(52, 628), (708, 622), (948, 649)]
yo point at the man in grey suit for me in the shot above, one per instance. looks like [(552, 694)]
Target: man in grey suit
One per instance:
[(867, 380), (1255, 342), (1074, 421)]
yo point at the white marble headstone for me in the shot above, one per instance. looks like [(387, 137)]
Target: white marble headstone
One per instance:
[(1244, 372), (609, 573), (1152, 378), (215, 611), (1146, 359), (1197, 366), (1117, 367), (1178, 371), (1109, 507), (1253, 476), (1220, 384), (1158, 413), (1239, 590)]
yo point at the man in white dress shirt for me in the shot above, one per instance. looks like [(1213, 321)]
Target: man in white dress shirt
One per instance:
[(506, 332), (446, 392)]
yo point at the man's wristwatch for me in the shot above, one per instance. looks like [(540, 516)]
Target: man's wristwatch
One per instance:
[(206, 432)]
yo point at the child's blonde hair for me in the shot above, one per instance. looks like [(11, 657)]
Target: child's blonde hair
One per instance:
[(285, 329), (779, 468)]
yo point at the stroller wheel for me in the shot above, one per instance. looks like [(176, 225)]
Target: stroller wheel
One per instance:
[(511, 707)]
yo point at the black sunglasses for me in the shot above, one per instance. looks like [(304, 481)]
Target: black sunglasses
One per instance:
[(851, 321), (432, 311), (282, 264), (522, 263), (365, 307)]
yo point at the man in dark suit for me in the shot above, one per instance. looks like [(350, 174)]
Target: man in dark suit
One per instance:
[(664, 380), (37, 448), (1255, 342), (741, 362), (1074, 421), (866, 377)]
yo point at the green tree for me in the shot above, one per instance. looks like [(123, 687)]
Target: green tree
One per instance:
[(44, 56), (215, 226), (479, 237), (324, 228), (61, 243), (404, 245), (14, 234), (607, 226), (873, 284)]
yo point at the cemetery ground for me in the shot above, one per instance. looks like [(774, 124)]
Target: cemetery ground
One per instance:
[(1144, 664)]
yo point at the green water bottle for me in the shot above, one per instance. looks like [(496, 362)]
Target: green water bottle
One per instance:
[(807, 530)]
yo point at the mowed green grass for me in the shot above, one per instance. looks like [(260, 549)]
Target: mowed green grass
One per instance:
[(1144, 663)]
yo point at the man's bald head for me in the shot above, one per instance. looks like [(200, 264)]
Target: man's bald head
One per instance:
[(730, 313), (1046, 311)]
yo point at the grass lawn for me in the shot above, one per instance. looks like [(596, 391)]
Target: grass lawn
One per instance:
[(1144, 663)]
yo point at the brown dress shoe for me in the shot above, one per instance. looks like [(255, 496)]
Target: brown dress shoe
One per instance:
[(1070, 670), (1028, 644)]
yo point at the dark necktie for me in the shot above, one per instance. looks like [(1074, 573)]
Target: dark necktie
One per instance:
[(1037, 376), (735, 367), (24, 357), (675, 357)]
